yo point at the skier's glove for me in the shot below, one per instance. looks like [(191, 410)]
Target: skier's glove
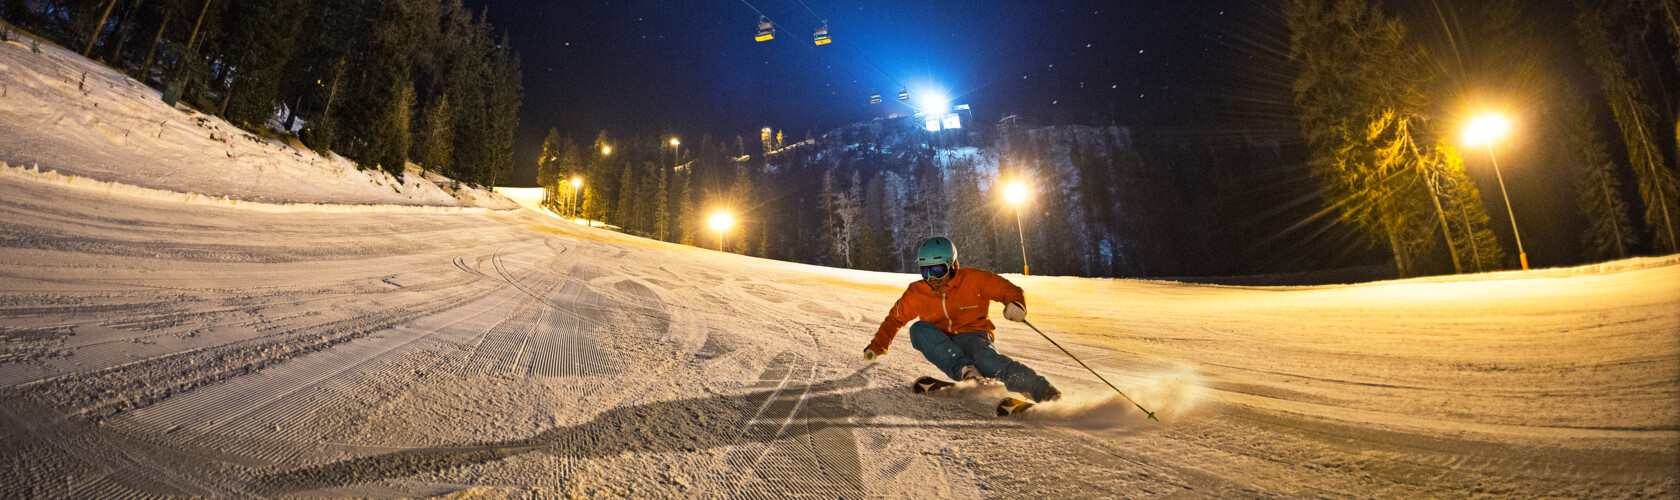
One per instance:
[(869, 354), (1014, 311)]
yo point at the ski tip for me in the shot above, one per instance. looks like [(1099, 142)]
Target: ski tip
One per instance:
[(1011, 406), (1152, 416)]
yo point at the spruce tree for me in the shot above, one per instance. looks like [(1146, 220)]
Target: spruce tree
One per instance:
[(122, 33), (1609, 57), (465, 81), (99, 27), (260, 45), (1476, 247), (1360, 92), (688, 214), (597, 179), (548, 170), (968, 213), (437, 141), (627, 194), (169, 8), (740, 197), (506, 92), (662, 205), (1608, 235)]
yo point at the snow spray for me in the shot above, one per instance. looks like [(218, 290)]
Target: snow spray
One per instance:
[(1174, 392), (1093, 372)]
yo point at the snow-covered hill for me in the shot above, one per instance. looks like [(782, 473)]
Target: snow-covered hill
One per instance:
[(60, 113), (151, 347)]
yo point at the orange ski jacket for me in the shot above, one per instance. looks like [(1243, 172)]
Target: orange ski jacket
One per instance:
[(959, 307)]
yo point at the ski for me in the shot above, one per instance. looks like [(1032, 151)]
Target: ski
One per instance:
[(926, 385), (1010, 406)]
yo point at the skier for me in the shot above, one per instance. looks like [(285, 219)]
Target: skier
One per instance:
[(954, 333)]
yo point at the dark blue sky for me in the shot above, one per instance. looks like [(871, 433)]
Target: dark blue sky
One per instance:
[(691, 67)]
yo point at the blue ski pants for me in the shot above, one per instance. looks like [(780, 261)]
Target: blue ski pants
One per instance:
[(952, 352)]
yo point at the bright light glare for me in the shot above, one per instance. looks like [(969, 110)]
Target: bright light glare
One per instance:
[(577, 182), (674, 142), (606, 150), (931, 102), (1015, 193), (721, 221), (1486, 129)]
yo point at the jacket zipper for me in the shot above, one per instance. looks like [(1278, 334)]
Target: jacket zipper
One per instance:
[(950, 324)]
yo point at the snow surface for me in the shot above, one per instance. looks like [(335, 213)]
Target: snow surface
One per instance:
[(154, 346)]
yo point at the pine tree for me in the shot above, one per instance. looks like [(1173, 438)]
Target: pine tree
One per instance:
[(260, 45), (1476, 247), (826, 200), (122, 33), (1658, 185), (662, 206), (627, 195), (688, 215), (506, 92), (740, 193), (169, 8), (1609, 235), (316, 82), (99, 27), (436, 141), (548, 169), (893, 220), (1360, 94), (389, 149), (596, 183), (571, 166), (968, 212), (465, 81)]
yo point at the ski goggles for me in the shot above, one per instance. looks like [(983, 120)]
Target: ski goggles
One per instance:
[(935, 271)]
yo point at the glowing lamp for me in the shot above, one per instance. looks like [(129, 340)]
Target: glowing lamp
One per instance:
[(1486, 129), (1015, 193), (721, 221)]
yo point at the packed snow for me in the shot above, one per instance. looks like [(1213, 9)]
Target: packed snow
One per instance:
[(412, 342)]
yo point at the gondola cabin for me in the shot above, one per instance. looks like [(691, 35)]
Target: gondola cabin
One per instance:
[(822, 35), (766, 30), (904, 96), (875, 98)]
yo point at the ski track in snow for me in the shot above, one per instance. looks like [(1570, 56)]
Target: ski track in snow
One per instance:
[(153, 346)]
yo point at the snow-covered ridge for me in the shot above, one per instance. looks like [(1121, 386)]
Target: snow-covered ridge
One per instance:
[(86, 184)]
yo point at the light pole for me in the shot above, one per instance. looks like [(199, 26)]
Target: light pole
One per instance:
[(577, 183), (1485, 129), (720, 222), (1016, 194)]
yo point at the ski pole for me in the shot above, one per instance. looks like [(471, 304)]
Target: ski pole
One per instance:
[(1093, 372)]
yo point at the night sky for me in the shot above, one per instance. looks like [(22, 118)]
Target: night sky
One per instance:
[(688, 68)]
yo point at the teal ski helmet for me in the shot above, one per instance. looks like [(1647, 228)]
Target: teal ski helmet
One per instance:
[(935, 251)]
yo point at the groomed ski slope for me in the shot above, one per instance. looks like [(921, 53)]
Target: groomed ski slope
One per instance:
[(151, 347)]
